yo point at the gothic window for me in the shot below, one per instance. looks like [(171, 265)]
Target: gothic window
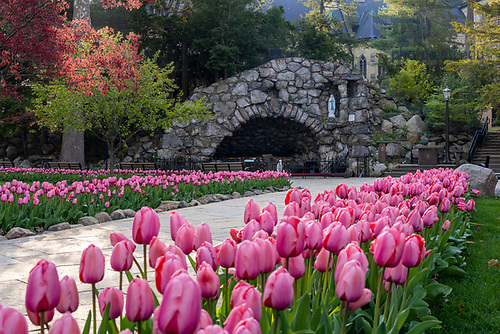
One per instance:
[(362, 65)]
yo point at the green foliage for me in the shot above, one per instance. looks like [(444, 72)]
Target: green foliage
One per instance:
[(412, 82)]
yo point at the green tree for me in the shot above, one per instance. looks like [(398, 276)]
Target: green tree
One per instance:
[(412, 82), (484, 61)]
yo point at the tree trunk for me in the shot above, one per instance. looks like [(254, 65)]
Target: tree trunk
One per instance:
[(73, 142), (185, 87), (111, 149)]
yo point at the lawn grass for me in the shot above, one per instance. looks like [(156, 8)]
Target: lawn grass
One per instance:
[(474, 304)]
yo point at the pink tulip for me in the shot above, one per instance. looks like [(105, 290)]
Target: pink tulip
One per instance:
[(65, 325), (290, 237), (208, 281), (214, 329), (140, 302), (278, 292), (116, 237), (397, 274), (351, 282), (292, 209), (341, 191), (44, 290), (247, 263), (180, 309), (415, 219), (296, 266), (446, 225), (305, 206), (335, 237), (206, 253), (146, 226), (387, 248), (122, 256), (322, 260), (292, 195), (414, 251), (226, 254), (346, 216), (250, 229), (430, 216), (35, 317), (92, 265), (157, 248), (166, 266), (185, 238), (177, 251), (113, 297), (445, 205), (202, 234), (266, 222), (247, 326), (69, 295), (237, 314), (205, 321), (470, 205), (12, 321), (245, 293), (314, 235), (252, 211), (271, 208), (349, 253), (176, 221), (266, 255), (365, 299)]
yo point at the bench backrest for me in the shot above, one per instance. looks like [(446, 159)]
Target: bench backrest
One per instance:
[(138, 165), (64, 165), (222, 167)]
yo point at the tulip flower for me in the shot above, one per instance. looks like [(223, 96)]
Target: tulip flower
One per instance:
[(470, 205), (252, 211), (185, 238), (322, 261), (177, 251), (176, 221), (430, 216), (247, 326), (387, 248), (44, 290), (266, 222), (140, 302), (271, 208), (36, 317), (292, 195), (12, 321), (65, 325), (446, 225), (166, 266), (314, 235), (366, 297), (296, 266), (414, 251), (335, 237), (205, 321), (69, 300), (122, 256), (247, 263), (180, 309), (266, 255), (397, 274), (250, 229), (214, 329), (156, 249), (206, 253), (290, 237), (349, 253), (92, 265), (202, 234), (237, 314), (245, 293), (278, 292), (351, 281), (208, 281), (116, 237), (113, 297), (226, 254), (292, 209), (146, 226), (445, 205)]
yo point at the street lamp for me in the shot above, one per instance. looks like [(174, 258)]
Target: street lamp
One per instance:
[(446, 159)]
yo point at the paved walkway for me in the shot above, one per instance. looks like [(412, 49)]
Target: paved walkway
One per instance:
[(64, 248)]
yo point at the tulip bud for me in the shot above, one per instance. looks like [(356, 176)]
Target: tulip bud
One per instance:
[(250, 229), (366, 297), (227, 253), (335, 237), (397, 274), (214, 329), (245, 293), (157, 248), (202, 234), (205, 321), (266, 222), (266, 255), (278, 292), (116, 237), (146, 226), (166, 266), (271, 208), (185, 238), (292, 195), (122, 256), (322, 260), (351, 281), (252, 211), (206, 253), (290, 237), (247, 326), (65, 325), (247, 263), (140, 302), (446, 225), (314, 235), (387, 248), (69, 300), (349, 253), (208, 281), (92, 265), (236, 315), (44, 290), (35, 317), (113, 297), (296, 266), (414, 251), (176, 221)]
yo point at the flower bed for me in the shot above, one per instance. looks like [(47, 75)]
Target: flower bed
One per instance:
[(40, 197), (351, 261)]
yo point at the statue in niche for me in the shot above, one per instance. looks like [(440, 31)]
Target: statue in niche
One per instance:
[(331, 106)]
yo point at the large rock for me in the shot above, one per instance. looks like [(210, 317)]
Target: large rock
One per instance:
[(168, 206), (415, 124), (103, 217), (480, 178), (18, 232), (86, 221), (398, 121), (59, 227), (117, 214), (394, 150), (129, 213)]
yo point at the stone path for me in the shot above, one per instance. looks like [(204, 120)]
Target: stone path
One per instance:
[(64, 248)]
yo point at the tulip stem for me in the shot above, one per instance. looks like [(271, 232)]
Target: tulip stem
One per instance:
[(42, 318), (276, 320), (93, 308), (405, 292), (226, 293), (387, 302), (326, 282), (121, 280), (145, 262), (139, 327), (377, 303), (138, 266), (344, 322)]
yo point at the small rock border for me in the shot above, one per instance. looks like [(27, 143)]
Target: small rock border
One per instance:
[(102, 217)]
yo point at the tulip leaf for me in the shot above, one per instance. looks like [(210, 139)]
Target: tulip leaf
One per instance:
[(264, 320), (86, 328), (283, 323), (381, 329), (419, 276), (103, 328), (436, 289), (454, 270), (400, 320), (316, 317), (130, 278), (302, 314), (326, 320), (193, 263), (423, 326)]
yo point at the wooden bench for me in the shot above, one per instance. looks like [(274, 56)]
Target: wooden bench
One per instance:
[(222, 167), (64, 165), (138, 165), (7, 164), (493, 163)]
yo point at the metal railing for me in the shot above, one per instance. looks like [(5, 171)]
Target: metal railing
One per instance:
[(479, 138), (335, 167)]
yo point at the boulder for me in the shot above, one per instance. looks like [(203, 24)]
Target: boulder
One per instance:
[(2, 238), (59, 227), (394, 150), (19, 232), (117, 214), (480, 178), (103, 217), (86, 221), (378, 169), (387, 126), (168, 206), (129, 213), (208, 199), (236, 194), (398, 121), (415, 124)]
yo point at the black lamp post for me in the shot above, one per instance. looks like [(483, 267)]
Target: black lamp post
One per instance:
[(446, 159)]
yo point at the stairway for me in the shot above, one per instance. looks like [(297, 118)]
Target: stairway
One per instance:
[(491, 147), (404, 169)]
